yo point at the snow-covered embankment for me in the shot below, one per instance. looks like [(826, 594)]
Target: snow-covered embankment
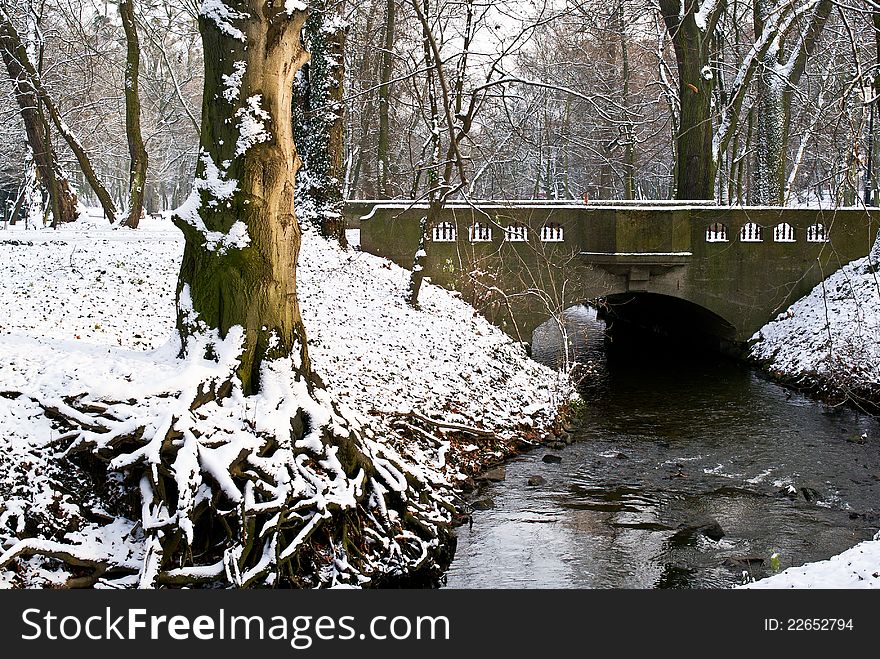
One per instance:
[(829, 342), (88, 305)]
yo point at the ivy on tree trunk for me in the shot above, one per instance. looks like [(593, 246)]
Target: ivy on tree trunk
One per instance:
[(318, 112)]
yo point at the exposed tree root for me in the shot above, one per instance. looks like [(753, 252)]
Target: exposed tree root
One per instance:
[(446, 426), (273, 489)]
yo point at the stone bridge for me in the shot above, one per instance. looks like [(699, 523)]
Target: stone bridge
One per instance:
[(694, 271)]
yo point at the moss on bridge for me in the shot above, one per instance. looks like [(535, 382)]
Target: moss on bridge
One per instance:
[(738, 263)]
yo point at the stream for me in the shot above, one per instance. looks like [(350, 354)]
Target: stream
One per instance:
[(671, 447)]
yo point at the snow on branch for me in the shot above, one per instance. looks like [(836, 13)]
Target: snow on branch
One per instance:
[(777, 24), (707, 14), (293, 6)]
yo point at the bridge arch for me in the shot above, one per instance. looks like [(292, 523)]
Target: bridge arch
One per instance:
[(629, 315), (671, 267)]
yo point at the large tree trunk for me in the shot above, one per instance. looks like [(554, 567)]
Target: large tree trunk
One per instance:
[(242, 236), (62, 200), (695, 164), (240, 488), (136, 149), (237, 290)]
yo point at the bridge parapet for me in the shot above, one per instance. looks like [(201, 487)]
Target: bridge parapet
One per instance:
[(521, 264)]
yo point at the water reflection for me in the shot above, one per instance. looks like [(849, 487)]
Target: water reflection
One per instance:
[(671, 443)]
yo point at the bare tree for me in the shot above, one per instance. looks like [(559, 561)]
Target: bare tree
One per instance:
[(25, 71), (49, 175), (137, 151)]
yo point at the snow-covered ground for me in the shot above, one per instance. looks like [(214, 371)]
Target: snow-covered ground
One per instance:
[(858, 567), (830, 340), (831, 337), (90, 308)]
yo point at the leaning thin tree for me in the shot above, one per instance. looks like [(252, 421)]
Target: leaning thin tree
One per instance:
[(247, 472), (49, 175), (137, 151)]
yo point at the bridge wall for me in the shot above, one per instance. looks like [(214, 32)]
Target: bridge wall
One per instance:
[(625, 249)]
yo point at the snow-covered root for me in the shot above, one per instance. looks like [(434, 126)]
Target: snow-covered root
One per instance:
[(273, 489)]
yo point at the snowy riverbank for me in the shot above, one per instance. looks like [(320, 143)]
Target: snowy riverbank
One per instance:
[(858, 567), (829, 342), (89, 307)]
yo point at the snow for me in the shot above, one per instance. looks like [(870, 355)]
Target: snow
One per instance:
[(214, 182), (379, 353), (617, 205), (702, 17), (222, 14), (90, 309), (831, 339), (232, 82), (832, 334), (252, 120), (858, 567), (647, 255), (291, 6)]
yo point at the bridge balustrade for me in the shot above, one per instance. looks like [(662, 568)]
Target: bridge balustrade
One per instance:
[(751, 233), (716, 233), (480, 233), (816, 233), (516, 233), (784, 233), (552, 233), (444, 232)]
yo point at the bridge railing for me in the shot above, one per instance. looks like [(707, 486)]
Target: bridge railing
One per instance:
[(744, 264)]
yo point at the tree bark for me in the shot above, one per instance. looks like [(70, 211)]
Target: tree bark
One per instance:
[(136, 150), (695, 164), (62, 200), (245, 188)]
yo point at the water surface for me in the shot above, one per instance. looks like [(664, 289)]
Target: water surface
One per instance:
[(671, 441)]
